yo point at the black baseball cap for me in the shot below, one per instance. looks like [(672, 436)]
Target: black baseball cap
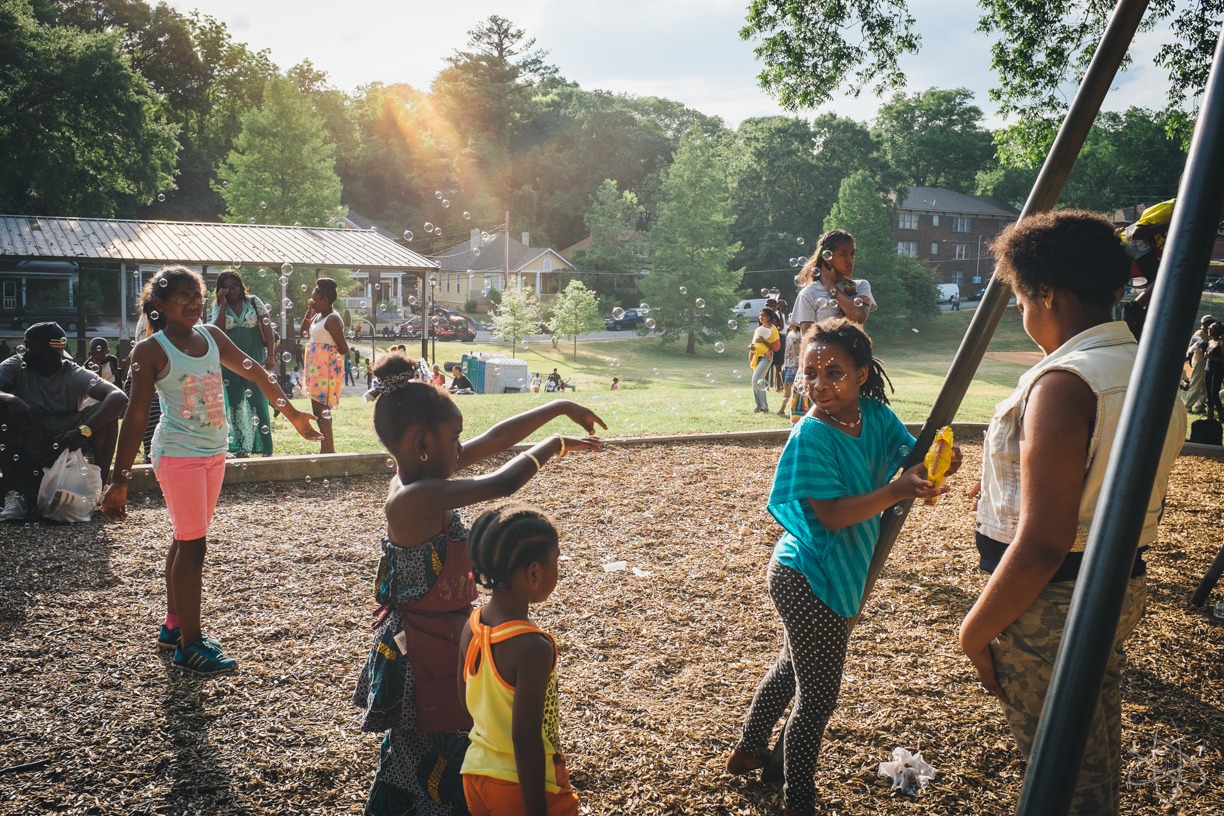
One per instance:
[(49, 333)]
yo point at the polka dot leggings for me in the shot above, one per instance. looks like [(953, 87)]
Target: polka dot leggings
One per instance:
[(809, 670)]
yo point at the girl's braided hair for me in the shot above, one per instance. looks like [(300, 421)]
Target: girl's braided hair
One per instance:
[(506, 539), (407, 404), (838, 331)]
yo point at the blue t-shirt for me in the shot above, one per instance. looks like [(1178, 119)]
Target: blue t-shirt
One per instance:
[(821, 462)]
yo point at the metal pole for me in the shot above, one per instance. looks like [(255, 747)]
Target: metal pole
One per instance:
[(424, 307), (1110, 553), (1118, 35)]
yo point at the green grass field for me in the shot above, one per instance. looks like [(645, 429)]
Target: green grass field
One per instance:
[(664, 391)]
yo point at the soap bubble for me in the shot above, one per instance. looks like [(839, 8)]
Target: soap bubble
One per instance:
[(186, 412), (898, 510), (445, 203), (859, 302), (904, 450), (327, 483), (799, 240), (821, 303), (524, 345), (303, 287), (135, 368), (54, 446), (684, 290), (161, 197), (720, 347), (408, 236), (613, 362), (248, 393), (307, 480), (438, 194), (437, 230), (650, 322), (914, 330), (654, 371), (224, 183), (248, 363), (287, 303), (429, 226), (699, 303), (709, 377), (391, 463), (286, 269), (263, 205), (281, 402), (263, 429), (325, 414), (764, 293), (736, 373), (272, 378), (263, 272), (618, 313), (467, 216), (476, 252), (163, 282), (761, 385), (485, 237), (798, 280), (412, 300), (286, 356), (154, 315), (732, 324)]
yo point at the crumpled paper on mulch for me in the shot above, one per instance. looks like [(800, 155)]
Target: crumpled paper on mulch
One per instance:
[(909, 772)]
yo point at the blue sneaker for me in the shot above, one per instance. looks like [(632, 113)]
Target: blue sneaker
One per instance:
[(204, 657), (168, 639)]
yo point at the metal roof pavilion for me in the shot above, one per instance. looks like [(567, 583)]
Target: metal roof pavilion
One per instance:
[(25, 237)]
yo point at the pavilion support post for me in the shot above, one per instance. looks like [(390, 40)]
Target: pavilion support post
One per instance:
[(1130, 473), (1071, 136)]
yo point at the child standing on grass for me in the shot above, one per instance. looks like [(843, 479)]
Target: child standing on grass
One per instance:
[(834, 479), (409, 687), (182, 361), (514, 764)]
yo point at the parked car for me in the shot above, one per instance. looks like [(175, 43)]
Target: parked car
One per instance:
[(631, 319), (1216, 285), (66, 316), (749, 308)]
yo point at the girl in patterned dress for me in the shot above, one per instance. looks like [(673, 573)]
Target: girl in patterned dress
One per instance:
[(834, 479), (325, 355), (183, 361), (514, 764), (424, 588)]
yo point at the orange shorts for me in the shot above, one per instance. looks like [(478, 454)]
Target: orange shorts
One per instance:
[(487, 796)]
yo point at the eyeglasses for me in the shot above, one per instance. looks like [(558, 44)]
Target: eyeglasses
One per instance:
[(186, 300)]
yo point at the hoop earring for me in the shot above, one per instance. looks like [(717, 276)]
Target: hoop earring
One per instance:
[(424, 457)]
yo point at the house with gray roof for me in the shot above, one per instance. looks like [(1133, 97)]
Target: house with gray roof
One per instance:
[(951, 232), (496, 261)]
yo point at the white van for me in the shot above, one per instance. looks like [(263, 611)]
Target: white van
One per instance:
[(947, 291), (749, 308)]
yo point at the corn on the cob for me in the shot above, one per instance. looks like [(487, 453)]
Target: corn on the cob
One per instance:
[(938, 460)]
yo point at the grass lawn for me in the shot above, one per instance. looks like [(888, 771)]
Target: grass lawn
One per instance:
[(663, 390)]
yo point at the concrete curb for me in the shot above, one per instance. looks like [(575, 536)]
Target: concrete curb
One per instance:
[(259, 469)]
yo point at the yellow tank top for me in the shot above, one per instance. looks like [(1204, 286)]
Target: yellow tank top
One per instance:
[(490, 701)]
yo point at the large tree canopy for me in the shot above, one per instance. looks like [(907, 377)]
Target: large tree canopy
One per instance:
[(935, 138)]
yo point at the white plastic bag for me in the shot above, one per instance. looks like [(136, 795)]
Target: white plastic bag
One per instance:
[(70, 488)]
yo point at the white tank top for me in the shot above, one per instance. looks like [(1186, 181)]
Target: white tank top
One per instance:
[(319, 332)]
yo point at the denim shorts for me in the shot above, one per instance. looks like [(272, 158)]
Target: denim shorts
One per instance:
[(788, 375)]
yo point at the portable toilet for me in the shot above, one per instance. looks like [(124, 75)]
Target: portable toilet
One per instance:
[(505, 375), (474, 369)]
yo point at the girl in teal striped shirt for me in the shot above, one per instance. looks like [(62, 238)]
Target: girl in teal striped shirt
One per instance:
[(834, 479)]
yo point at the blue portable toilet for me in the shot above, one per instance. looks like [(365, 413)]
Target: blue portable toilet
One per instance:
[(474, 369)]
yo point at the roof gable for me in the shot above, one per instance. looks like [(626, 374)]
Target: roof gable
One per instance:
[(943, 201)]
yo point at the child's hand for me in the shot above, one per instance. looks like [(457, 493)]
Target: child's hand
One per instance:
[(956, 461), (301, 422), (114, 502), (582, 416), (573, 443), (913, 484)]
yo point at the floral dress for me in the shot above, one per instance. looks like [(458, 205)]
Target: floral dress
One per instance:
[(324, 373)]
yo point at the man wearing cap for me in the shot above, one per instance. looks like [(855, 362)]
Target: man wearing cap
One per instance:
[(41, 391), (1196, 394)]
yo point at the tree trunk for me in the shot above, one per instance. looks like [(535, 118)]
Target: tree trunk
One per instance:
[(575, 347), (691, 348)]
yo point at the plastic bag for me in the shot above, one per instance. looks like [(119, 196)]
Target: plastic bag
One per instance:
[(70, 489)]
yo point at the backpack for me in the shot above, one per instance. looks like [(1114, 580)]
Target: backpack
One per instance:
[(1206, 432)]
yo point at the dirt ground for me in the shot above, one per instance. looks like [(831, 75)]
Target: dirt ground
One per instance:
[(657, 661)]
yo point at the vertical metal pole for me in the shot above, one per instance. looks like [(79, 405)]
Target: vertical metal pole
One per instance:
[(1101, 588), (1117, 38)]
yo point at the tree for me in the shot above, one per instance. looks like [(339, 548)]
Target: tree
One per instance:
[(517, 315), (861, 211), (935, 138), (811, 50), (690, 286), (80, 132), (575, 311), (282, 168), (610, 265)]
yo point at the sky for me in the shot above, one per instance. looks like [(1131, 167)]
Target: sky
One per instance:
[(685, 50)]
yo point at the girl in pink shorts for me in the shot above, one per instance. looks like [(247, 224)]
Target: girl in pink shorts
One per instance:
[(183, 362)]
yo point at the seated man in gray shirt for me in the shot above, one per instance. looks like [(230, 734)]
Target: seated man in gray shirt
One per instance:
[(41, 391)]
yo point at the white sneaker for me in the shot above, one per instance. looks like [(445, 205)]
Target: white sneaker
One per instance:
[(14, 507)]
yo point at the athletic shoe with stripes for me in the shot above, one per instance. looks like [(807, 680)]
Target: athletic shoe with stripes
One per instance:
[(204, 657), (168, 639)]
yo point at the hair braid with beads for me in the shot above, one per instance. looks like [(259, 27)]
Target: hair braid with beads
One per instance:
[(506, 539), (838, 331)]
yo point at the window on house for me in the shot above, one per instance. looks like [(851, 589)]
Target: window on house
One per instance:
[(934, 220), (958, 278), (907, 248), (934, 248), (907, 221), (962, 223), (961, 252), (548, 264)]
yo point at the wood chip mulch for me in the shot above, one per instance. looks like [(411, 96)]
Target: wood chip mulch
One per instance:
[(658, 660)]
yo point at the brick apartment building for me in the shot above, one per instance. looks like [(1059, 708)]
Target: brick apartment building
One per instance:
[(949, 232)]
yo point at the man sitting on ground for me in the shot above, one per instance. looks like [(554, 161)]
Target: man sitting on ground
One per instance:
[(460, 384), (41, 391)]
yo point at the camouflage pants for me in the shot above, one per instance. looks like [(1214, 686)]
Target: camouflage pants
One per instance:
[(1024, 660)]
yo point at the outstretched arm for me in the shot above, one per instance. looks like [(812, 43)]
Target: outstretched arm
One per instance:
[(236, 360), (844, 511), (511, 431)]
